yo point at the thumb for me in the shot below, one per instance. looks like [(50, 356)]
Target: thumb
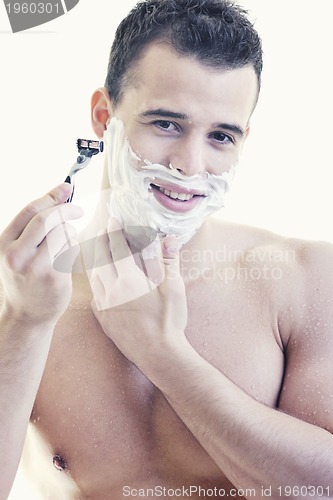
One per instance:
[(173, 286), (170, 249), (170, 256)]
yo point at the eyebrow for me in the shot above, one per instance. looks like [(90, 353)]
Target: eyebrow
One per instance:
[(165, 113)]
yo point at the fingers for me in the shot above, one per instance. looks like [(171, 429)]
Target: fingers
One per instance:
[(102, 274), (170, 251), (60, 248), (103, 260), (170, 258), (21, 241), (120, 251), (34, 288), (116, 278), (173, 287), (27, 246), (99, 301), (56, 196), (44, 222)]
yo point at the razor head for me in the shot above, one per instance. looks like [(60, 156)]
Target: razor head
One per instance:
[(88, 147)]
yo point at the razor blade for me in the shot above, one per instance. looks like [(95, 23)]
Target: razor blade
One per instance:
[(87, 149)]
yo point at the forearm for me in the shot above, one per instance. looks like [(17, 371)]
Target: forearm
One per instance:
[(254, 446), (23, 352)]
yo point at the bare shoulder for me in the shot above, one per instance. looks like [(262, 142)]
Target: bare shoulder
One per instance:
[(259, 245), (298, 274)]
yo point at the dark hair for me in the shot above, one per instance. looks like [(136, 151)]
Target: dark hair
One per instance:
[(217, 32)]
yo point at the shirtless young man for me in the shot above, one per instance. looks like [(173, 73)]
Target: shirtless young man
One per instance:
[(216, 383)]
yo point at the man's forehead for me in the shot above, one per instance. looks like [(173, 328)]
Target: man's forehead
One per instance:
[(189, 95), (162, 58), (162, 70)]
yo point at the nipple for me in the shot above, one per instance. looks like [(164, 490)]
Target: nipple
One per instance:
[(59, 462)]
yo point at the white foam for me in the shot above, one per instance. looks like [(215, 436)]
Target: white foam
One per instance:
[(132, 200)]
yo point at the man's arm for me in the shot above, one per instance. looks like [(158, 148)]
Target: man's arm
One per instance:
[(254, 446), (34, 296), (257, 446)]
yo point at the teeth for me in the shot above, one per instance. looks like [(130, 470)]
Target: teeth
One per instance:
[(176, 196), (183, 196)]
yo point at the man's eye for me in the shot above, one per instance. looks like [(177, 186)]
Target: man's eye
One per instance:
[(166, 125), (222, 138)]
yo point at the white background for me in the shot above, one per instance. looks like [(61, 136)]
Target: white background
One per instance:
[(49, 73), (285, 181)]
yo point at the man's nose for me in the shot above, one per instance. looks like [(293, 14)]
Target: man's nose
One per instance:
[(187, 156)]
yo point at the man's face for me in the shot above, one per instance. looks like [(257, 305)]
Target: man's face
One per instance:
[(182, 113), (179, 113)]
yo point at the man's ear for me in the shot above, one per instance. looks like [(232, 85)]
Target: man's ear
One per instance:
[(101, 111)]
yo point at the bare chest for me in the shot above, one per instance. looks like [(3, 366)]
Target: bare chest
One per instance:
[(111, 425)]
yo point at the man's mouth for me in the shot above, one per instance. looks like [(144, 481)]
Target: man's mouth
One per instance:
[(174, 195), (180, 200)]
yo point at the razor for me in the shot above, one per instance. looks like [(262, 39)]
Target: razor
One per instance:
[(87, 149)]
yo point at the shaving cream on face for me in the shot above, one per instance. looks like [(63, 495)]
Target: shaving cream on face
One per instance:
[(133, 202)]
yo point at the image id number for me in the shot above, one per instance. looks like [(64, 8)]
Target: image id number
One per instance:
[(33, 8), (304, 491)]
